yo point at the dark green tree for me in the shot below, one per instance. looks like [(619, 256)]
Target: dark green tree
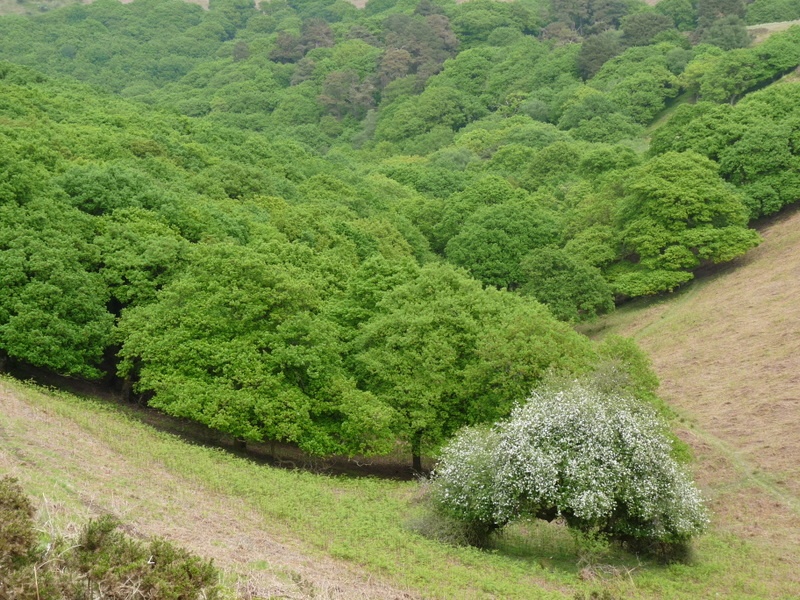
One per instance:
[(572, 290), (494, 240), (727, 33), (639, 29), (596, 50)]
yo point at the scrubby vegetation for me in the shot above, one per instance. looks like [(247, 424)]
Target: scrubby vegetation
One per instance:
[(102, 562)]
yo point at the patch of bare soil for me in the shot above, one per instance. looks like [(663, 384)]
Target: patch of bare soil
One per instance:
[(56, 457)]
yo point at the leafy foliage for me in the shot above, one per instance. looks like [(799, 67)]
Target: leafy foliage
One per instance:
[(677, 212), (17, 534), (104, 561), (249, 198), (572, 289)]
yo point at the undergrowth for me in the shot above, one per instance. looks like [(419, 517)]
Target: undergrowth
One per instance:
[(102, 562)]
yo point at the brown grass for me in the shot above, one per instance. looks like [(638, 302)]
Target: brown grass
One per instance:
[(727, 350), (728, 353), (77, 477), (762, 31)]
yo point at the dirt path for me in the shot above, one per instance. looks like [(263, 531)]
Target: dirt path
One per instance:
[(78, 477)]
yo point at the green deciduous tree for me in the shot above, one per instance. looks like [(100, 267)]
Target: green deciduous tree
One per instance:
[(494, 240), (440, 106), (762, 164), (571, 288), (413, 354), (675, 213), (140, 254), (238, 343), (52, 298), (443, 352), (682, 13)]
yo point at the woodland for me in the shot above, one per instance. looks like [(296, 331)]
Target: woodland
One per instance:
[(358, 230)]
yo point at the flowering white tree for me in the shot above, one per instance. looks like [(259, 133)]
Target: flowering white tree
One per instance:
[(599, 460)]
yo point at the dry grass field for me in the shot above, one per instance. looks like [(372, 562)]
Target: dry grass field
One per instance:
[(762, 31), (727, 350), (76, 476)]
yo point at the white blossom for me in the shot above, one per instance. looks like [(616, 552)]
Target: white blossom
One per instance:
[(596, 459)]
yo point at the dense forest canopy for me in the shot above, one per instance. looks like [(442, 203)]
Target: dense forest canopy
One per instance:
[(341, 228)]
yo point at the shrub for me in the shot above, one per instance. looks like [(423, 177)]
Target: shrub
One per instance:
[(114, 565), (599, 460), (16, 523), (104, 563)]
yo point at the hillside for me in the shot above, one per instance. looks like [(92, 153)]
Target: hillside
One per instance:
[(299, 535), (727, 350), (354, 232), (77, 473)]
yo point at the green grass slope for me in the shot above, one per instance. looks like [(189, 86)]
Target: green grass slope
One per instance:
[(280, 533)]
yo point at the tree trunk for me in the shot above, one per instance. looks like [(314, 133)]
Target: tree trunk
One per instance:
[(127, 388), (416, 447)]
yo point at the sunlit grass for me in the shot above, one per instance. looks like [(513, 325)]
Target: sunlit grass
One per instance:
[(367, 522)]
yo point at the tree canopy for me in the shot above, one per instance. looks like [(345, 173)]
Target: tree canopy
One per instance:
[(348, 229)]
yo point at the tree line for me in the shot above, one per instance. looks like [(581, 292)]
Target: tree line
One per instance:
[(344, 228)]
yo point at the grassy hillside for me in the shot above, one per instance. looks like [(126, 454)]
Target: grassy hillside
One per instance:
[(727, 350), (280, 533), (762, 31), (256, 236)]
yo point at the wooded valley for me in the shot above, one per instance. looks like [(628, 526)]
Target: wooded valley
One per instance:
[(359, 230)]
